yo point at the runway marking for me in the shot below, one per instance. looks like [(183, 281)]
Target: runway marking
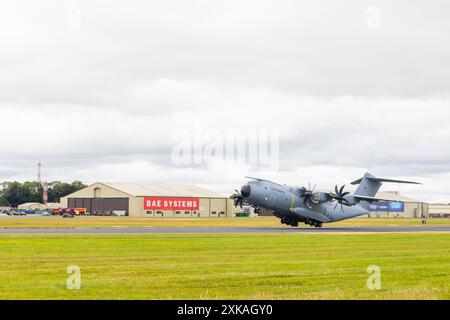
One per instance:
[(232, 230)]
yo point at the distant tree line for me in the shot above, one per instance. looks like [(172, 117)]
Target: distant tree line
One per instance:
[(15, 193)]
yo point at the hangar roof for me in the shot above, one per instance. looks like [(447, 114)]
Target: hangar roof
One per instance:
[(27, 204), (395, 196), (143, 190)]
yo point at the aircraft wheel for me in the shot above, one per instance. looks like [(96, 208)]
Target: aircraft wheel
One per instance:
[(317, 224)]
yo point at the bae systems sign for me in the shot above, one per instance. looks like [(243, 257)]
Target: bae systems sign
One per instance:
[(169, 203)]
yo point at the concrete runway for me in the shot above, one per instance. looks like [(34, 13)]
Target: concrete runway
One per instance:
[(255, 230)]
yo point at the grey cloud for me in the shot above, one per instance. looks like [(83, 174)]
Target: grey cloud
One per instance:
[(320, 48), (110, 94)]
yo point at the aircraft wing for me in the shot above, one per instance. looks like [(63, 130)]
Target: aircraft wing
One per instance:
[(370, 199), (259, 179)]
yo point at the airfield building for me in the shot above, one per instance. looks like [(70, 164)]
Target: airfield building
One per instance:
[(398, 206), (149, 200), (38, 206), (439, 210)]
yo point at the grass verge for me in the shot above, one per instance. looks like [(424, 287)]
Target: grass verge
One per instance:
[(267, 266)]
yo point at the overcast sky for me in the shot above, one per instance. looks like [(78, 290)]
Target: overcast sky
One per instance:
[(100, 90)]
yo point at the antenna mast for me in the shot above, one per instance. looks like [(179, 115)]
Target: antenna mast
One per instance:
[(43, 184), (39, 172)]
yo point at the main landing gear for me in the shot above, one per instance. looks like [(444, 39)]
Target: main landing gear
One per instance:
[(289, 221), (314, 223), (294, 222)]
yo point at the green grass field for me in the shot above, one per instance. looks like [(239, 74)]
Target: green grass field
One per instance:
[(266, 266), (106, 222)]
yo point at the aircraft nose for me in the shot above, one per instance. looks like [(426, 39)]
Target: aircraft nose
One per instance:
[(246, 190)]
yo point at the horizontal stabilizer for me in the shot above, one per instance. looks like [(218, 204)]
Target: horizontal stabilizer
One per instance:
[(383, 180), (369, 185)]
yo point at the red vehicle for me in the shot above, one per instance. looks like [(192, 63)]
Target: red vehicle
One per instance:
[(56, 212), (72, 211), (78, 211), (59, 211)]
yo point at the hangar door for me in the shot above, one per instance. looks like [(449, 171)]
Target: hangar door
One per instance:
[(100, 204)]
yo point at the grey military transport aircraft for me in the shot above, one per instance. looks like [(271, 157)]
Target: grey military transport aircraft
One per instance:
[(300, 204)]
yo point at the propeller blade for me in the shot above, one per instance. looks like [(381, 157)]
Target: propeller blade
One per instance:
[(339, 196)]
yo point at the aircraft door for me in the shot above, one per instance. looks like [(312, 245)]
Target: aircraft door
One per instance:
[(328, 212), (270, 200)]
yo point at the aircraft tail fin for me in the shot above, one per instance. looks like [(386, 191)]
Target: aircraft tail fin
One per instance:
[(369, 185)]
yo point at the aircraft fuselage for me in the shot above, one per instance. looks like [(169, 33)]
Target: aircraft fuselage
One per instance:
[(284, 201)]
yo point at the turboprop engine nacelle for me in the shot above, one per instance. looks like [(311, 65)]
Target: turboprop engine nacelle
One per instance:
[(351, 200)]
